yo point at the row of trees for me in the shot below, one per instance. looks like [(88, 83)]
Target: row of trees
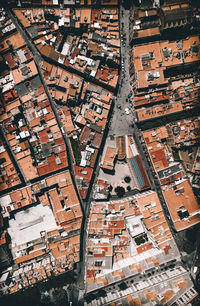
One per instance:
[(120, 191), (33, 297), (58, 297)]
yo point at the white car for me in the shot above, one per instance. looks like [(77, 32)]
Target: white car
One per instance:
[(127, 111)]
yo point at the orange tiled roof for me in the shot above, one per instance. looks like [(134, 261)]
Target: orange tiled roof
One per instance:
[(180, 197), (110, 155)]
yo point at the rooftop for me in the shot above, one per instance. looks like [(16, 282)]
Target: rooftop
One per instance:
[(23, 73), (135, 217), (14, 41), (184, 133), (149, 113), (109, 158), (150, 67), (27, 225), (182, 204), (8, 174)]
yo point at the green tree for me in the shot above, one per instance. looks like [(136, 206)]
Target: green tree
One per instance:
[(45, 298), (60, 297), (120, 191), (127, 179), (128, 188)]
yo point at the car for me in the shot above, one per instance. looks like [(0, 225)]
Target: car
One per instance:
[(127, 111), (124, 44)]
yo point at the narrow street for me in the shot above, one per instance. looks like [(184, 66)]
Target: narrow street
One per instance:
[(121, 123), (13, 158), (38, 59)]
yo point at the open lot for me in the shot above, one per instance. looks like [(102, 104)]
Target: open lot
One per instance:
[(117, 179)]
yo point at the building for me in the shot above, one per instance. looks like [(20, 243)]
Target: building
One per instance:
[(130, 219), (129, 238), (8, 173), (153, 67), (161, 155), (44, 225), (182, 204), (109, 159)]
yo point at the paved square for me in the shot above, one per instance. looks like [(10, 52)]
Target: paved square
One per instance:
[(117, 179)]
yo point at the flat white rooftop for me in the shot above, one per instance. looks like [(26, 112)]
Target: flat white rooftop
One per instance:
[(27, 224), (135, 225)]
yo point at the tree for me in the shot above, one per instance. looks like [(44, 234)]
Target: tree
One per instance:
[(101, 293), (110, 188), (30, 296), (128, 188), (127, 179), (191, 234), (120, 191), (60, 297), (123, 286), (188, 247), (45, 298)]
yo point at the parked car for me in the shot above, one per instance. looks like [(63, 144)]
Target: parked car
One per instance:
[(127, 112)]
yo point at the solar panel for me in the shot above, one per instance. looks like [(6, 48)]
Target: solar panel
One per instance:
[(145, 56), (137, 172)]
